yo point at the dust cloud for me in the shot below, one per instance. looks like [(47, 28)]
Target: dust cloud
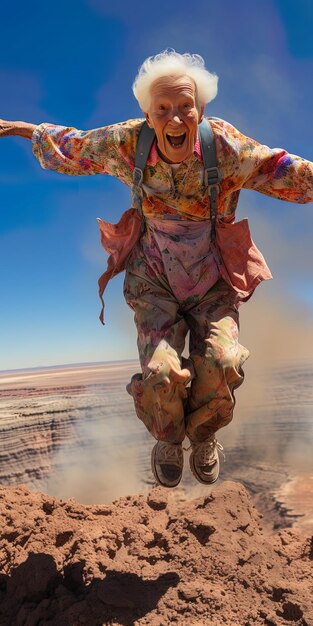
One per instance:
[(100, 467), (112, 456), (277, 391)]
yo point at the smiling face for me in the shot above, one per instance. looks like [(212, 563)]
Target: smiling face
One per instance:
[(174, 115)]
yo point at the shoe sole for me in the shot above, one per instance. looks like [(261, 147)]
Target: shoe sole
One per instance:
[(155, 474), (198, 477)]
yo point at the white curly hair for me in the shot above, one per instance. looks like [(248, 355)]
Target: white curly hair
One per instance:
[(172, 63)]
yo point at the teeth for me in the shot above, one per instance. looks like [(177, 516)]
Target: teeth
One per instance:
[(175, 134)]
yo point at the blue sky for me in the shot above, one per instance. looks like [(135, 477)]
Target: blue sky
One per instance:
[(73, 63)]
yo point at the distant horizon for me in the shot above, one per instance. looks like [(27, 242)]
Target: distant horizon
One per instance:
[(65, 366), (279, 361)]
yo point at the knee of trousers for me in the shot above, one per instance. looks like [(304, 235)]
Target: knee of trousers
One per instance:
[(159, 393), (164, 367), (162, 385), (212, 364), (214, 377), (225, 357), (160, 407)]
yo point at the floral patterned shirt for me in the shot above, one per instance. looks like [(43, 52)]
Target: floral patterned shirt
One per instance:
[(242, 161)]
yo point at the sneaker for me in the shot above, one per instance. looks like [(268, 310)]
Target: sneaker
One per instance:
[(167, 463), (204, 460)]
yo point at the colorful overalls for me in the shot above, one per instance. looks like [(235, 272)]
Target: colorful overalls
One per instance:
[(172, 280)]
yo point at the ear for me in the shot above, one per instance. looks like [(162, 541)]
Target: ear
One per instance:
[(148, 120)]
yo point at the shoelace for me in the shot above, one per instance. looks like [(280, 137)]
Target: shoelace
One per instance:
[(206, 450), (171, 454)]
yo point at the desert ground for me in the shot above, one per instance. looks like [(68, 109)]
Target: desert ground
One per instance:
[(87, 538)]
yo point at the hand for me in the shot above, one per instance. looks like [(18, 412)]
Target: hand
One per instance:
[(21, 129), (7, 128)]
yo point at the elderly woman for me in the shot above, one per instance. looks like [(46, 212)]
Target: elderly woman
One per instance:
[(176, 281)]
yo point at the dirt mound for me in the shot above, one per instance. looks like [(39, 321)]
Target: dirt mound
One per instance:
[(152, 560)]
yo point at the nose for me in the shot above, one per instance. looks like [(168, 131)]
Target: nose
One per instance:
[(176, 118)]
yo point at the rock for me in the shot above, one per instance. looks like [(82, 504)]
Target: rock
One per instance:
[(157, 499)]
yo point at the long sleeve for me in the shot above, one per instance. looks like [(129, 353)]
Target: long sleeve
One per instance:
[(251, 165), (105, 150)]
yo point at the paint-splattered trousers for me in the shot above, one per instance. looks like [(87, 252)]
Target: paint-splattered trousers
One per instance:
[(174, 396)]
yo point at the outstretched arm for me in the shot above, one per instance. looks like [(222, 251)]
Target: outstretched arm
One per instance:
[(20, 129), (67, 150), (272, 171)]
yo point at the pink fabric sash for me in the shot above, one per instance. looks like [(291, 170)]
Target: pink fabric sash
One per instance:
[(243, 265), (118, 240)]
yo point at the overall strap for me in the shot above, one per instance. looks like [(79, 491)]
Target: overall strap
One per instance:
[(211, 173), (144, 143)]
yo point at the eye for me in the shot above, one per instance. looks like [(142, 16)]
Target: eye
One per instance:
[(161, 107), (187, 105)]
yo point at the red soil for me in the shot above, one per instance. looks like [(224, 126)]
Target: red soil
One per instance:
[(152, 560)]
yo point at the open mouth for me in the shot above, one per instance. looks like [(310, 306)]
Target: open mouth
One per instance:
[(176, 139)]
